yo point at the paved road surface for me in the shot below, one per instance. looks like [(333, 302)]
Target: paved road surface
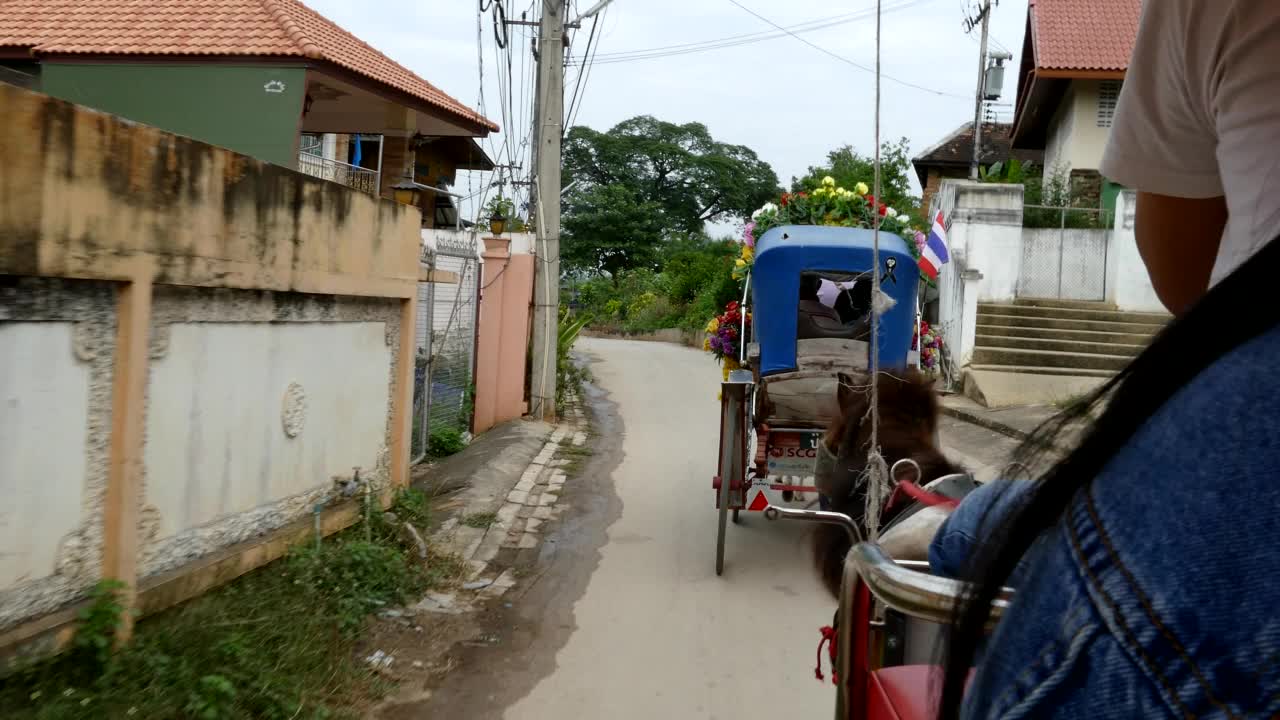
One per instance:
[(653, 633)]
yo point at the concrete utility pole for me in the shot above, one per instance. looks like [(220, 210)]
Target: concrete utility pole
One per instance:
[(985, 15), (546, 283)]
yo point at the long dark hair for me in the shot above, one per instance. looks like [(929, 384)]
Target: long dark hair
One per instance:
[(1237, 310)]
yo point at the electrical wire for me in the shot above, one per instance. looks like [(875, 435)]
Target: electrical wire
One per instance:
[(582, 71), (743, 39), (846, 60)]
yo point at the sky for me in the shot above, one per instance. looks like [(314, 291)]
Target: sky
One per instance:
[(788, 101)]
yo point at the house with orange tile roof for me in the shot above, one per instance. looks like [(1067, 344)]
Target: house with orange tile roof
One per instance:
[(1074, 57), (271, 79)]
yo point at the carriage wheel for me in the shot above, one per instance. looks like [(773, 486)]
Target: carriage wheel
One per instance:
[(732, 460)]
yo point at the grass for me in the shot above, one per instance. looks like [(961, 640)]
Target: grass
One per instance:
[(480, 520), (277, 643), (575, 457)]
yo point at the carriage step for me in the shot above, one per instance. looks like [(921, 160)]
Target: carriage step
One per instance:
[(1049, 358)]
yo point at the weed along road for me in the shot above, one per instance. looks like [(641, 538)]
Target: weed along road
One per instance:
[(624, 616)]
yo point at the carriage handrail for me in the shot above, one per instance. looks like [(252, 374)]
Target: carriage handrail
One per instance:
[(742, 333), (773, 512), (912, 593)]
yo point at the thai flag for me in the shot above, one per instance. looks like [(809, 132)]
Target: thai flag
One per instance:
[(935, 254)]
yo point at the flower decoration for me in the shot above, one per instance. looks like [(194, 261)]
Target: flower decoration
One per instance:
[(725, 335), (929, 343)]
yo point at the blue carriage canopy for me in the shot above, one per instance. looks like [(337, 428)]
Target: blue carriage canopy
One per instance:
[(783, 253)]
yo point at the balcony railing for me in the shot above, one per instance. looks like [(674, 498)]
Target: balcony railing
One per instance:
[(352, 176)]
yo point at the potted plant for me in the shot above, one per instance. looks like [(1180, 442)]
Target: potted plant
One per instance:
[(500, 210)]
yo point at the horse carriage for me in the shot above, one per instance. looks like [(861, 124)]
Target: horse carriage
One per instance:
[(775, 409), (795, 349)]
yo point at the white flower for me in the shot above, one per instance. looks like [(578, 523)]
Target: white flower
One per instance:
[(768, 208), (891, 213)]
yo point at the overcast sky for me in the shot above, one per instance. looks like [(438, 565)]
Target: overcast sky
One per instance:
[(786, 100)]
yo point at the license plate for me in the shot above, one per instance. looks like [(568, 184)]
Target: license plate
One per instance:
[(793, 452)]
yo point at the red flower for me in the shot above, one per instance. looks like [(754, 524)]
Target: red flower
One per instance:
[(883, 209), (802, 194), (786, 198)]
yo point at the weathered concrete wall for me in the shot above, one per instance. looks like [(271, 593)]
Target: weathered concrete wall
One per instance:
[(256, 402), (503, 342), (1128, 284), (193, 345), (986, 229), (57, 339)]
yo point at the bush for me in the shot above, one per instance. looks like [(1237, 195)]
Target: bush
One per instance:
[(445, 441)]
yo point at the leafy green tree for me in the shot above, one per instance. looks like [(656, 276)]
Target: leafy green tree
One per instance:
[(677, 176), (848, 168), (610, 229)]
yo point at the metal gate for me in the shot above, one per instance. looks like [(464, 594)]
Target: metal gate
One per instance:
[(1066, 263), (446, 341)]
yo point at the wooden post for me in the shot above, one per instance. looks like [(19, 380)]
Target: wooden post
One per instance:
[(128, 397), (402, 401)]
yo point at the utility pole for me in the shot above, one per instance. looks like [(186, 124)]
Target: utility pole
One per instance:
[(985, 16), (546, 283)]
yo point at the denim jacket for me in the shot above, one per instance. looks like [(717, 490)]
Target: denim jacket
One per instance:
[(1158, 593)]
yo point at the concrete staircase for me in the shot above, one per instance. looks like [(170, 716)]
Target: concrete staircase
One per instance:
[(1060, 337)]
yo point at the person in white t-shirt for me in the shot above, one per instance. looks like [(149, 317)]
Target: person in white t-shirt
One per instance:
[(1197, 134)]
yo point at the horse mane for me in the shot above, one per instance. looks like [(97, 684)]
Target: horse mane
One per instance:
[(908, 424)]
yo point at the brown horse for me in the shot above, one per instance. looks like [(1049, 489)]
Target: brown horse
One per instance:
[(907, 429)]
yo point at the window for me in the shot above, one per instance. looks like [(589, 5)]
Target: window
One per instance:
[(1108, 93)]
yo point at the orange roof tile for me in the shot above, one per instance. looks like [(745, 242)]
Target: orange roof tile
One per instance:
[(1084, 34), (280, 28)]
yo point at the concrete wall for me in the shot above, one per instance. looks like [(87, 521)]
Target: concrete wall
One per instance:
[(254, 110), (193, 345), (986, 229), (1069, 264), (1128, 284), (959, 281)]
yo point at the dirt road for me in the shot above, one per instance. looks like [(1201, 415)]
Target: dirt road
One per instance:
[(626, 617)]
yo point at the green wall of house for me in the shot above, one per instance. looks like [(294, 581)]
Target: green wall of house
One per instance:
[(253, 110)]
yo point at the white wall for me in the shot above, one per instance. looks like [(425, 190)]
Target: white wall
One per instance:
[(44, 410), (1075, 141), (985, 236), (986, 228), (216, 441), (1128, 284)]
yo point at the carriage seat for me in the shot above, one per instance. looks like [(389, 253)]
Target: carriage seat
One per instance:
[(905, 692), (815, 320), (909, 539)]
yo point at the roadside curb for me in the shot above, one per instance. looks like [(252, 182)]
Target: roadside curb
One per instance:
[(517, 525), (976, 419)]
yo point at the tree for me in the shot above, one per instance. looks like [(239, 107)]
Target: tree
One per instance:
[(850, 168), (609, 230), (676, 176)]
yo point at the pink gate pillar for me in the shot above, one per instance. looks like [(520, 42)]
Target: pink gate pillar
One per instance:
[(505, 296)]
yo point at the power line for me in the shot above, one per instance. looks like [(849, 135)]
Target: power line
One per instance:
[(582, 71), (846, 60), (743, 39)]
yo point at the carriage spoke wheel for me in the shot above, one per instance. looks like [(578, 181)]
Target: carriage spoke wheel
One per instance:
[(732, 461)]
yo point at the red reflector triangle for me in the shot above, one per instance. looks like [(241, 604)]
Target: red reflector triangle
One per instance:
[(759, 504)]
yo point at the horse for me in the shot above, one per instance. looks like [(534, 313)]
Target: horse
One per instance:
[(907, 430)]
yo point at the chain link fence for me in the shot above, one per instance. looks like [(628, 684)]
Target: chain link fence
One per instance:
[(446, 343), (1068, 259)]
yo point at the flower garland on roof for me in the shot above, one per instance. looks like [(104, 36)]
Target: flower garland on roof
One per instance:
[(829, 205)]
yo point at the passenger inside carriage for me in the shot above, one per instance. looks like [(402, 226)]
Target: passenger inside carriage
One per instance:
[(832, 308)]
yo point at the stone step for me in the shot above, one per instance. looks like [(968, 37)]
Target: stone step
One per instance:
[(1069, 304), (1045, 333), (1023, 321), (1059, 345), (1062, 313), (1032, 370), (1048, 358)]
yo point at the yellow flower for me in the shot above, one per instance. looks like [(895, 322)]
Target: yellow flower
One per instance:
[(748, 253), (706, 344), (862, 188), (724, 372), (829, 181), (740, 263), (714, 325)]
